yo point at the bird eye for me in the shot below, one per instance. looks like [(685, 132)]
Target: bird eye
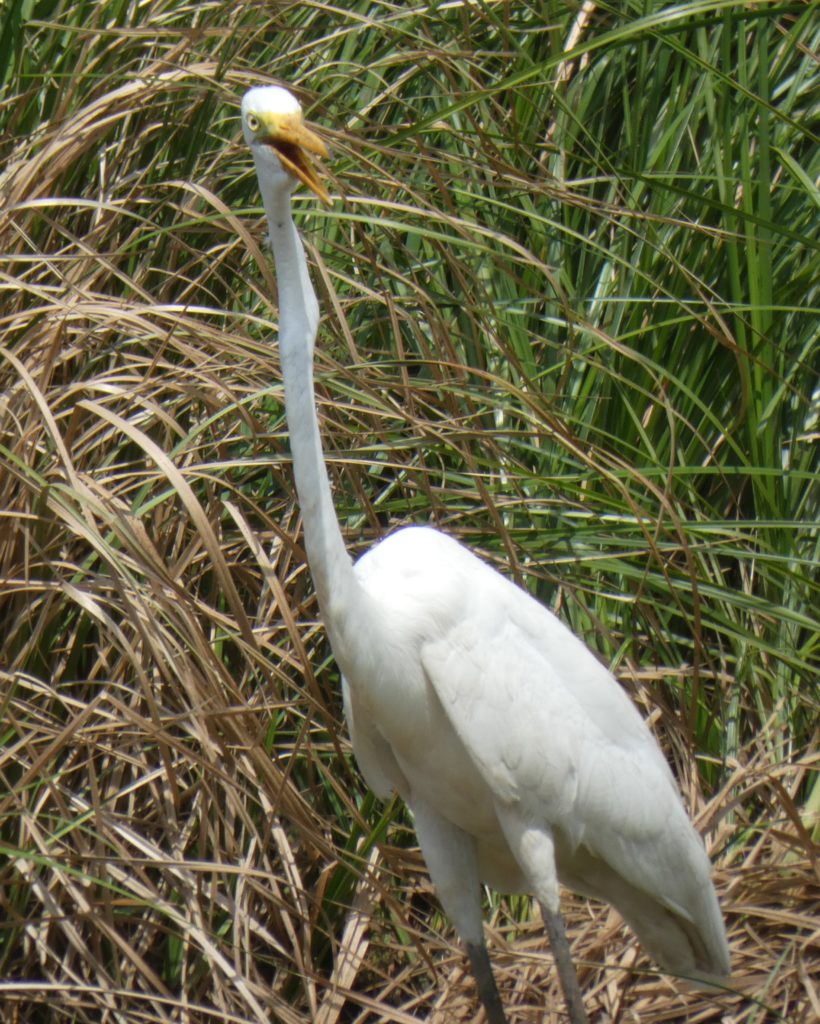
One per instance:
[(253, 122)]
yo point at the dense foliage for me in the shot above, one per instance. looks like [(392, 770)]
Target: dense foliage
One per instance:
[(570, 315)]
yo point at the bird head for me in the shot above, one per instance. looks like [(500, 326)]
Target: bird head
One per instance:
[(279, 138)]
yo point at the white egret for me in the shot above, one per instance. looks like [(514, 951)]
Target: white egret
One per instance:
[(522, 760)]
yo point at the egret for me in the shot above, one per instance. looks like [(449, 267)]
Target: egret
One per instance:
[(522, 760)]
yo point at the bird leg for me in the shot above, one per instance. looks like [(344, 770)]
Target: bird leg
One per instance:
[(453, 865), (564, 965), (533, 846), (487, 988)]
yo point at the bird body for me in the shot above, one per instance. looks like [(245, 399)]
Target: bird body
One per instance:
[(523, 761), (471, 695)]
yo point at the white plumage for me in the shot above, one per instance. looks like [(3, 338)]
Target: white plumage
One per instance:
[(481, 698), (522, 759)]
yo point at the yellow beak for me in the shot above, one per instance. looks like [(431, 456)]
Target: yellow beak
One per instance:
[(291, 139)]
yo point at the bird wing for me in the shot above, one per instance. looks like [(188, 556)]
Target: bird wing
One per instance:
[(554, 735)]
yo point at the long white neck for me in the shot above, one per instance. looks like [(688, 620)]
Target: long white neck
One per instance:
[(329, 562)]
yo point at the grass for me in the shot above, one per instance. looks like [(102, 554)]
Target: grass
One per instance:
[(570, 307)]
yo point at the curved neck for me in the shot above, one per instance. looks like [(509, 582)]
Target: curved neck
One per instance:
[(330, 564)]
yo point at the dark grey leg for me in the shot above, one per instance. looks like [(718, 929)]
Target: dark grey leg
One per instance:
[(451, 860), (533, 847), (566, 968), (487, 989)]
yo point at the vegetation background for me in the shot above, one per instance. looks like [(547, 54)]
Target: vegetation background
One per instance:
[(570, 291)]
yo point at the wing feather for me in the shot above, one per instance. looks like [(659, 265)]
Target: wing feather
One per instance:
[(570, 751)]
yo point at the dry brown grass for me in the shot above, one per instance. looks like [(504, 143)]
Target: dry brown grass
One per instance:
[(160, 865)]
